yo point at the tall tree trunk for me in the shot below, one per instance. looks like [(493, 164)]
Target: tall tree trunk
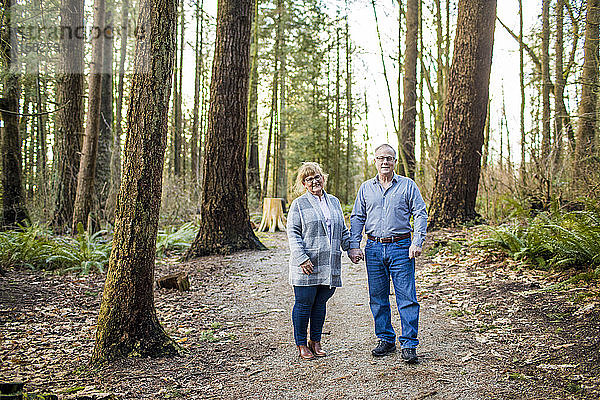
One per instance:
[(349, 128), (42, 152), (84, 198), (459, 160), (272, 114), (196, 110), (366, 171), (439, 96), (338, 119), (522, 87), (127, 324), (177, 129), (253, 130), (27, 138), (13, 209), (409, 107), (545, 154), (399, 81), (68, 130), (387, 83), (105, 138), (559, 86), (281, 190), (486, 139), (115, 156), (225, 223), (423, 137), (586, 131)]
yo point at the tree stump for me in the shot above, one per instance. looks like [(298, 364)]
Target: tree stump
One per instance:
[(272, 217), (179, 281)]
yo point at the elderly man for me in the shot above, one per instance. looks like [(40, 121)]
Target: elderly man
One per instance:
[(383, 207)]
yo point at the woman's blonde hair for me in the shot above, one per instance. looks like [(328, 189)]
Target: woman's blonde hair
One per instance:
[(308, 169)]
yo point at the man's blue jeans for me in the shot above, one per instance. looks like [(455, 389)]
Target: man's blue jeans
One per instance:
[(311, 304), (385, 260)]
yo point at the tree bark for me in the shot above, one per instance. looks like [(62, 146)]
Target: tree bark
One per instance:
[(179, 137), (84, 198), (522, 88), (253, 129), (115, 156), (127, 324), (13, 199), (459, 160), (337, 148), (409, 105), (69, 117), (545, 153), (225, 223), (349, 127), (586, 130), (281, 190), (102, 179), (196, 110)]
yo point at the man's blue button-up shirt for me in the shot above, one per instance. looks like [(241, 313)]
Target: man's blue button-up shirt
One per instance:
[(386, 212)]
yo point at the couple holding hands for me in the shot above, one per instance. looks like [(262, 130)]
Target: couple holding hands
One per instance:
[(317, 235)]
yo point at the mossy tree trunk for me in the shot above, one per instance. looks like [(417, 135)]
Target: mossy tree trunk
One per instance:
[(115, 154), (459, 160), (68, 131), (585, 150), (225, 223), (409, 106), (84, 196), (127, 324), (105, 137), (253, 126), (13, 199)]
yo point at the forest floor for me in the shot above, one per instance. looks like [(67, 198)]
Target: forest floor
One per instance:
[(489, 329)]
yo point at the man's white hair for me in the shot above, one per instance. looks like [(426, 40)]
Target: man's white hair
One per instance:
[(386, 145)]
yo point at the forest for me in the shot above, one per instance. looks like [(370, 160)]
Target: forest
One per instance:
[(146, 141)]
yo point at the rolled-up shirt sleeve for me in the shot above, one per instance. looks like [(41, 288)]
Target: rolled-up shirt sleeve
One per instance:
[(418, 210), (357, 219)]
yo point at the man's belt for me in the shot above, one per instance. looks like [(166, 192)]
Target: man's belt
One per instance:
[(390, 239)]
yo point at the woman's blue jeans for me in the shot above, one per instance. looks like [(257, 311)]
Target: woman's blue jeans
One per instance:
[(310, 305), (385, 260)]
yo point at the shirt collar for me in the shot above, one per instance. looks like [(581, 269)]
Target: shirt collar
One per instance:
[(317, 198), (395, 178)]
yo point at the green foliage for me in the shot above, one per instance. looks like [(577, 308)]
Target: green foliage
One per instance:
[(552, 239), (177, 241), (34, 247)]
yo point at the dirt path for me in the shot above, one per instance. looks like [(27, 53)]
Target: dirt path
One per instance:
[(235, 328)]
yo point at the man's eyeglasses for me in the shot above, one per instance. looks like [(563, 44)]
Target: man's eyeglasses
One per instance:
[(311, 179), (385, 158)]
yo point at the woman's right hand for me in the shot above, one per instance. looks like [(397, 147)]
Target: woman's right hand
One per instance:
[(307, 267)]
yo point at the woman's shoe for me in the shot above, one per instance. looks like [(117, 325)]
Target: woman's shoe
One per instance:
[(315, 347), (305, 352)]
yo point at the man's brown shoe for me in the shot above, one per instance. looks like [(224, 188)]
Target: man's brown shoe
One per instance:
[(305, 353), (316, 348)]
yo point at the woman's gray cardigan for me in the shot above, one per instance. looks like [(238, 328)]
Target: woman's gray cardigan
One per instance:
[(308, 238)]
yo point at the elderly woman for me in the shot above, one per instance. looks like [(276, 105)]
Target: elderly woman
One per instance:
[(316, 232)]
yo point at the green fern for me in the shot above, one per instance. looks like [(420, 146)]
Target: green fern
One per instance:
[(34, 247), (552, 239), (176, 241)]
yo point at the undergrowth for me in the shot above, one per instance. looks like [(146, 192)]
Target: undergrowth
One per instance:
[(35, 247), (552, 239)]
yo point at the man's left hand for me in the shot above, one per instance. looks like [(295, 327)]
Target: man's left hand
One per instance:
[(414, 251)]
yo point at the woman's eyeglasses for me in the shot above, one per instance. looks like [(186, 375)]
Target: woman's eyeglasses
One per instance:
[(311, 179)]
